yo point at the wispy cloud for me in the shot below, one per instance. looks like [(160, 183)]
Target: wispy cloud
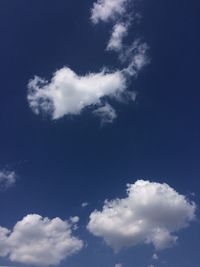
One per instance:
[(120, 30), (7, 179), (106, 113)]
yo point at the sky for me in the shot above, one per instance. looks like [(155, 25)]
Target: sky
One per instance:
[(100, 133)]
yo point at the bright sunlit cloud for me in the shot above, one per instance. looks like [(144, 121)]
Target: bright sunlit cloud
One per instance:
[(39, 241), (152, 213)]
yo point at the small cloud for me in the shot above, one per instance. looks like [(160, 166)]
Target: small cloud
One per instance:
[(155, 257), (118, 265), (120, 30), (106, 113), (7, 179), (74, 219), (106, 10), (84, 204)]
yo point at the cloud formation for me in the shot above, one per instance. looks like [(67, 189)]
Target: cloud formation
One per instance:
[(39, 241), (151, 213), (105, 10), (69, 93), (7, 179)]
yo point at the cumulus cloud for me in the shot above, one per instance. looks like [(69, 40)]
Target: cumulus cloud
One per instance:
[(120, 30), (7, 179), (39, 241), (105, 10), (151, 213), (69, 93)]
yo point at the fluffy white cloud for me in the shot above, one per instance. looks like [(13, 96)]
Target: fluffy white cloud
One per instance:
[(68, 93), (39, 241), (120, 30), (105, 10), (151, 213), (118, 265), (7, 179), (106, 113)]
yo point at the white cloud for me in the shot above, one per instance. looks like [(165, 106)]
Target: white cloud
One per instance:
[(7, 179), (105, 10), (120, 30), (106, 113), (39, 241), (118, 265), (151, 213), (69, 93)]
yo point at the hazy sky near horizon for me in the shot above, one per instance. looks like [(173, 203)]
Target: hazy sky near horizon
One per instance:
[(100, 133)]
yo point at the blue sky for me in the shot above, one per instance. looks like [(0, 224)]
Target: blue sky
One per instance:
[(96, 95)]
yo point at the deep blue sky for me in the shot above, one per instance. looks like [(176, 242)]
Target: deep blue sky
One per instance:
[(62, 163)]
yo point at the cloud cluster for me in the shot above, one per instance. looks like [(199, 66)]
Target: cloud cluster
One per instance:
[(117, 12), (7, 179), (68, 93), (151, 213), (39, 241)]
